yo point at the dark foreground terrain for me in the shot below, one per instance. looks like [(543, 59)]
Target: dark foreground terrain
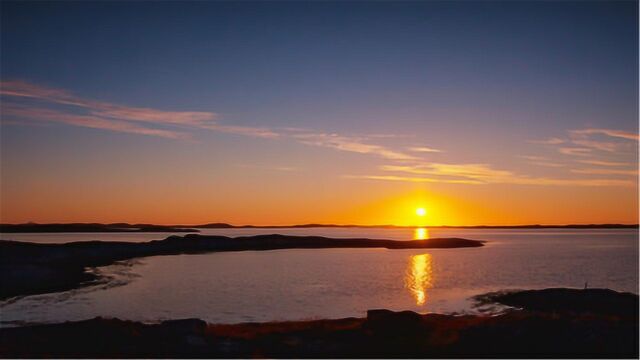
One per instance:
[(538, 330), (30, 268)]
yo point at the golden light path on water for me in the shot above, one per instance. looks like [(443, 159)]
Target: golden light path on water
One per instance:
[(421, 234), (419, 277)]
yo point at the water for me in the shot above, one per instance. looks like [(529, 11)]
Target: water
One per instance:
[(299, 284)]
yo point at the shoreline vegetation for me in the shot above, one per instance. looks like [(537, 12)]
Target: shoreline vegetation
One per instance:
[(542, 323), (125, 227), (32, 268)]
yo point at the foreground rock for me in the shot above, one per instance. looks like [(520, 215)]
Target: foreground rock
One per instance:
[(584, 333), (562, 300), (30, 268)]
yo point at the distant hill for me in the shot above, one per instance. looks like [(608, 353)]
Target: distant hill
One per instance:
[(533, 226), (89, 227), (125, 227)]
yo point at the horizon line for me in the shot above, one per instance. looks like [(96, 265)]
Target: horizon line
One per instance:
[(309, 225)]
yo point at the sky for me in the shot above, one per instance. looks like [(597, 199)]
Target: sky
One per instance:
[(275, 113)]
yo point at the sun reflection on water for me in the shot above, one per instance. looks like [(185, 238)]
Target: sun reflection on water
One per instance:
[(419, 277), (421, 234)]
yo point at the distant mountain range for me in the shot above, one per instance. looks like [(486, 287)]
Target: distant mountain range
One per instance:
[(125, 227)]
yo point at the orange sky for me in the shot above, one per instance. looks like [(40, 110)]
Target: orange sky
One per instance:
[(297, 177)]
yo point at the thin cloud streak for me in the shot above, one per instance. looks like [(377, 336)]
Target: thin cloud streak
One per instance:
[(540, 161), (349, 144), (609, 132), (114, 117), (549, 141), (599, 145), (268, 167), (105, 109), (573, 151), (533, 157), (411, 179), (584, 138), (547, 164), (479, 172), (517, 181), (604, 163), (89, 121), (484, 174), (424, 149), (606, 172)]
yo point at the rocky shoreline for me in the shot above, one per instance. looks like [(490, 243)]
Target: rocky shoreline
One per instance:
[(591, 330)]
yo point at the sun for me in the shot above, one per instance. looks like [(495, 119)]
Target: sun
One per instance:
[(421, 211)]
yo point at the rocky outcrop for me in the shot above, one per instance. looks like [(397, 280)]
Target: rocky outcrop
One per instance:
[(382, 334)]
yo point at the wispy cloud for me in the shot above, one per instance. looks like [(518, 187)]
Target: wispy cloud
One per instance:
[(589, 144), (605, 163), (105, 109), (574, 151), (482, 174), (540, 161), (388, 136), (533, 157), (605, 172), (113, 117), (548, 141), (602, 141), (88, 121), (546, 164), (516, 181), (261, 132), (599, 145), (424, 149), (411, 179), (581, 140), (474, 173), (268, 167), (608, 132), (350, 144)]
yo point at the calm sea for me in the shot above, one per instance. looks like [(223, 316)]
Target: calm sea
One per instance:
[(333, 283)]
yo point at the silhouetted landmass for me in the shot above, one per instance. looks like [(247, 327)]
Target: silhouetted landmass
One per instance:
[(90, 227), (534, 226), (589, 331), (556, 300), (124, 227), (32, 268)]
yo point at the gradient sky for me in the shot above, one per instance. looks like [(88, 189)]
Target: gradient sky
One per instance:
[(282, 113)]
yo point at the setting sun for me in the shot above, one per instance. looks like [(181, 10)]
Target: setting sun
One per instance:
[(421, 211)]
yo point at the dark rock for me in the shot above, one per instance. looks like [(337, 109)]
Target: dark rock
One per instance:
[(185, 326), (388, 323)]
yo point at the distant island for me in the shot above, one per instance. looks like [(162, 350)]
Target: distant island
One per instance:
[(90, 228), (125, 227), (31, 268)]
